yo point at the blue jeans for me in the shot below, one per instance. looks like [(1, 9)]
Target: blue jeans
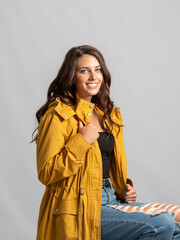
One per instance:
[(121, 225)]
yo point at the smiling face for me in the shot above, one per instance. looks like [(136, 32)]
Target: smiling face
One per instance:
[(88, 77)]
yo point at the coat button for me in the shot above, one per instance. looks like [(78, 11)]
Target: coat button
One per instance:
[(113, 117), (118, 153), (88, 114), (65, 116), (91, 106), (58, 109), (57, 210), (81, 191)]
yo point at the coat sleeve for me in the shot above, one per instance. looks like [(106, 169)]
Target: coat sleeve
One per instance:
[(58, 158), (119, 168), (118, 158)]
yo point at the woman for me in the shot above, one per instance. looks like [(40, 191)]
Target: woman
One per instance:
[(81, 160)]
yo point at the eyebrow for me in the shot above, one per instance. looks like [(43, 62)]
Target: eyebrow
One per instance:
[(88, 67)]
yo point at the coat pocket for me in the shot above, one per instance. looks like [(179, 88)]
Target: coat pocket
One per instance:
[(66, 207), (65, 224)]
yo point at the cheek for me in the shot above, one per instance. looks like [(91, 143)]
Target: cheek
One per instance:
[(79, 82), (101, 77), (102, 80)]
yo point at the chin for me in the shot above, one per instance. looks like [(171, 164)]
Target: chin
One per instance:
[(94, 92)]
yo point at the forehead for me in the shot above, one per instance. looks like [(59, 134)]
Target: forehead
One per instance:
[(87, 61)]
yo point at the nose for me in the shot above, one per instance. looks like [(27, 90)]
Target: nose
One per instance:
[(93, 76)]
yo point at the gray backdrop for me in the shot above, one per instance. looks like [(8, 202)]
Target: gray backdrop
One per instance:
[(140, 42)]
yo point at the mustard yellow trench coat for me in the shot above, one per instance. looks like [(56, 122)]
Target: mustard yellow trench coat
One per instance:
[(71, 169)]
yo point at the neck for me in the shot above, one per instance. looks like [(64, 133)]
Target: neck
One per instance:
[(86, 98)]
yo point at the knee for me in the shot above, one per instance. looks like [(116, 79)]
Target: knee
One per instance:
[(167, 225)]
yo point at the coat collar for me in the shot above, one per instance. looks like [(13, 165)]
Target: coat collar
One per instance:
[(82, 110)]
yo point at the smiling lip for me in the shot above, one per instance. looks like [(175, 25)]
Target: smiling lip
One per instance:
[(92, 85)]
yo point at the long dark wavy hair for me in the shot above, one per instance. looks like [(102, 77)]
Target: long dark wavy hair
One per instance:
[(63, 86)]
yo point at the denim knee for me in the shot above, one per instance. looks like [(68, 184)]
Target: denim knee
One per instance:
[(165, 226), (162, 227), (168, 223)]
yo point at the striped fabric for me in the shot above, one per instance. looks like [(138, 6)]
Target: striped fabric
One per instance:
[(149, 208)]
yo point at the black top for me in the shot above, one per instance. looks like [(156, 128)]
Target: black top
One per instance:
[(106, 147)]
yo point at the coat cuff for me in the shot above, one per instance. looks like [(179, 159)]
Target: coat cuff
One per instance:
[(79, 146)]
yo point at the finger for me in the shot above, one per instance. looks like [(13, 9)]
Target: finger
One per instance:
[(128, 187), (80, 124), (130, 195), (130, 192), (132, 199)]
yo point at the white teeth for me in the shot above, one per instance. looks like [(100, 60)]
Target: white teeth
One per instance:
[(92, 84)]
